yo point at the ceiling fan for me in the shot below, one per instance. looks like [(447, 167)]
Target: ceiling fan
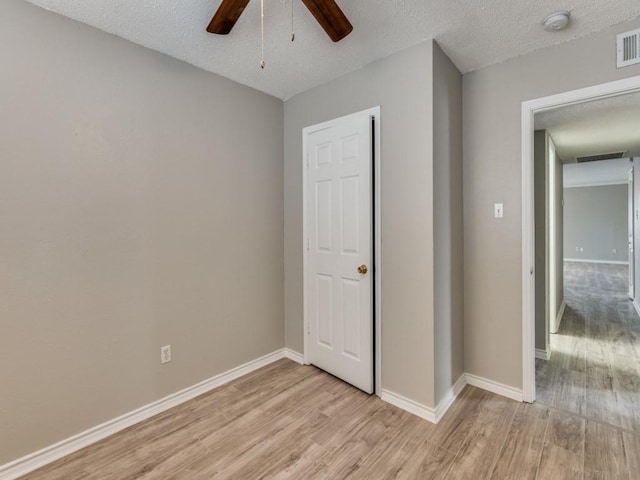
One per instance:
[(327, 13)]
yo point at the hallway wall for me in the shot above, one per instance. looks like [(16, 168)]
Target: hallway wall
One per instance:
[(595, 220)]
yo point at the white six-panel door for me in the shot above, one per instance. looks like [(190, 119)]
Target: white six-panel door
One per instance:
[(339, 273)]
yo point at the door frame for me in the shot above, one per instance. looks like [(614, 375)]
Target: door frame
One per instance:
[(631, 233), (552, 247), (377, 239), (529, 109)]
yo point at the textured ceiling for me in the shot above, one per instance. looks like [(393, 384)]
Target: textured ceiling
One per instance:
[(474, 33), (591, 128)]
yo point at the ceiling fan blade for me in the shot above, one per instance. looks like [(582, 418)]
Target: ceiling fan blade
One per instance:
[(330, 17), (226, 16)]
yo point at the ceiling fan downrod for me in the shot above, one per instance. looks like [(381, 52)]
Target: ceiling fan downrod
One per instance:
[(293, 33)]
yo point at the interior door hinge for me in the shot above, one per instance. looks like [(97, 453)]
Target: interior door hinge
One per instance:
[(308, 244), (308, 328), (307, 160)]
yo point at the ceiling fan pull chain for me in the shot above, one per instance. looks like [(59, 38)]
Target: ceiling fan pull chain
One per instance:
[(293, 33), (262, 62)]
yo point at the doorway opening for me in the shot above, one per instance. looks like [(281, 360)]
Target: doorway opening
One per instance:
[(576, 273), (587, 333)]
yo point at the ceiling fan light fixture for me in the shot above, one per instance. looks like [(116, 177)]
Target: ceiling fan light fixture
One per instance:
[(327, 12), (556, 21)]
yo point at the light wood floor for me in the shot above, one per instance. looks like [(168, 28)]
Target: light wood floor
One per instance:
[(293, 421), (594, 369)]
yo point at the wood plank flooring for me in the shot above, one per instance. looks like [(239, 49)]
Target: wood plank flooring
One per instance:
[(288, 421), (594, 369)]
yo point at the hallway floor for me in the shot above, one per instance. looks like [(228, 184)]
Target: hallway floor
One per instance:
[(594, 369)]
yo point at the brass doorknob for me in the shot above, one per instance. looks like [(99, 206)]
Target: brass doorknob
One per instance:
[(362, 269)]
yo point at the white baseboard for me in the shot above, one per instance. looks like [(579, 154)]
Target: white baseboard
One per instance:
[(636, 306), (495, 387), (450, 397), (293, 355), (409, 405), (590, 260), (433, 415), (560, 315), (543, 354), (38, 459)]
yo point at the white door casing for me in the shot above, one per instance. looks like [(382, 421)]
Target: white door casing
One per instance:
[(631, 207), (529, 109), (552, 248), (339, 257)]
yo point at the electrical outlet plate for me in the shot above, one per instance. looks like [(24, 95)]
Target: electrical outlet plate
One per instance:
[(165, 354)]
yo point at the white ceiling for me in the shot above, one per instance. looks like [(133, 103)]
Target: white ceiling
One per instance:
[(591, 128), (607, 172), (473, 33)]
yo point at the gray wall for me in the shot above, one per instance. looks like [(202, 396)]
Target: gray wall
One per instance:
[(596, 219), (540, 181), (135, 213), (419, 92), (402, 85), (492, 105), (447, 217), (540, 212)]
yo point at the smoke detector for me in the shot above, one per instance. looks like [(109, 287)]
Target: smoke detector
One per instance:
[(556, 21)]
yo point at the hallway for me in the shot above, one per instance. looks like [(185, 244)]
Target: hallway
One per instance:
[(594, 369)]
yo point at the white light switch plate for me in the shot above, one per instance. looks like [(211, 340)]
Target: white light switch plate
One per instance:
[(498, 210)]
